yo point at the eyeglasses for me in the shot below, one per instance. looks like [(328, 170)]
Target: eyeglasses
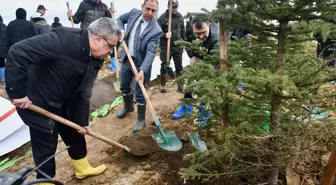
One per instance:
[(198, 34), (111, 47)]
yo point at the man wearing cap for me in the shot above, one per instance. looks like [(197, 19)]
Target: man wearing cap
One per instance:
[(178, 33), (41, 9), (39, 21), (38, 15), (89, 11)]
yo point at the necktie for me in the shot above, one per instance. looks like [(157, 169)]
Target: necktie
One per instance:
[(137, 38)]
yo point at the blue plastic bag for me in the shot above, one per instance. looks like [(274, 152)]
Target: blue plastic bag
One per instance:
[(113, 65)]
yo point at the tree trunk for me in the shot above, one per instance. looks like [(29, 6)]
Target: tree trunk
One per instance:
[(276, 103), (329, 173), (223, 41)]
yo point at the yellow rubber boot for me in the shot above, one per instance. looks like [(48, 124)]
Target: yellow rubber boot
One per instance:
[(84, 169)]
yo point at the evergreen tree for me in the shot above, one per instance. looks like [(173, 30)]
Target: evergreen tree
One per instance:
[(280, 72)]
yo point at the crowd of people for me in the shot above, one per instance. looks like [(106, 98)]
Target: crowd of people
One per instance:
[(55, 67)]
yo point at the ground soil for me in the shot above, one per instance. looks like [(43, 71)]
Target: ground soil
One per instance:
[(153, 166)]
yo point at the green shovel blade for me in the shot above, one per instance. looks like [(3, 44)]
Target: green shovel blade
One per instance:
[(196, 142), (168, 142)]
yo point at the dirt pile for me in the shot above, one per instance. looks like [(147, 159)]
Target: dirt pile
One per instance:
[(155, 166)]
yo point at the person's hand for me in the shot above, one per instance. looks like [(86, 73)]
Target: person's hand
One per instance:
[(112, 11), (21, 103), (69, 13), (192, 61), (140, 77), (84, 130), (168, 35)]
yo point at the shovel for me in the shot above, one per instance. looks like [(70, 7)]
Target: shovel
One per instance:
[(116, 84), (71, 18), (170, 71), (73, 125), (196, 142), (166, 140)]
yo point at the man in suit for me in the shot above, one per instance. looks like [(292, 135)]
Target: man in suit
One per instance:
[(142, 37)]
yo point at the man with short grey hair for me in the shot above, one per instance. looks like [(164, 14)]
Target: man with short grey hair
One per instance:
[(70, 59)]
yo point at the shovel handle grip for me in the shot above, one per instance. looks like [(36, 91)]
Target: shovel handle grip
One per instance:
[(71, 18), (169, 29), (116, 61), (144, 92), (71, 124)]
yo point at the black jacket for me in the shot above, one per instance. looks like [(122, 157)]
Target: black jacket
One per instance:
[(177, 28), (18, 30), (66, 77), (3, 40), (42, 27), (89, 11), (190, 36), (56, 25), (209, 44)]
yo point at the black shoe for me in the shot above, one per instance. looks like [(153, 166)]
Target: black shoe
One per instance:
[(141, 121), (128, 105)]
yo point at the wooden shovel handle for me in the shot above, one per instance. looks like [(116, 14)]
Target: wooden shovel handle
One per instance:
[(71, 124), (144, 92), (169, 28), (116, 61), (71, 18)]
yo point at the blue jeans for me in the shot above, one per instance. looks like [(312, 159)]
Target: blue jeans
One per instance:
[(126, 78)]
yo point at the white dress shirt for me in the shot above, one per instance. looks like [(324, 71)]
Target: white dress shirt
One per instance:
[(132, 33)]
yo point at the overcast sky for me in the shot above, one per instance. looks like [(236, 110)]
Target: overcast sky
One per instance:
[(58, 7)]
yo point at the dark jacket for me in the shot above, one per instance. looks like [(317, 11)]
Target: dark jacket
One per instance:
[(56, 25), (42, 27), (89, 11), (18, 30), (190, 36), (209, 44), (177, 28), (66, 80), (3, 40)]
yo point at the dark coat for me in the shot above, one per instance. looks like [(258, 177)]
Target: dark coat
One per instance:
[(89, 11), (3, 40), (177, 28), (56, 25), (209, 44), (190, 36), (42, 27), (18, 30), (65, 84)]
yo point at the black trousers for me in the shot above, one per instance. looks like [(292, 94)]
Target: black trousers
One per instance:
[(176, 53), (2, 62), (44, 145)]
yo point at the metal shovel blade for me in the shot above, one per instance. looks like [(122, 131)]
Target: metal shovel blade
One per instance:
[(166, 140), (116, 86), (169, 141), (196, 142)]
